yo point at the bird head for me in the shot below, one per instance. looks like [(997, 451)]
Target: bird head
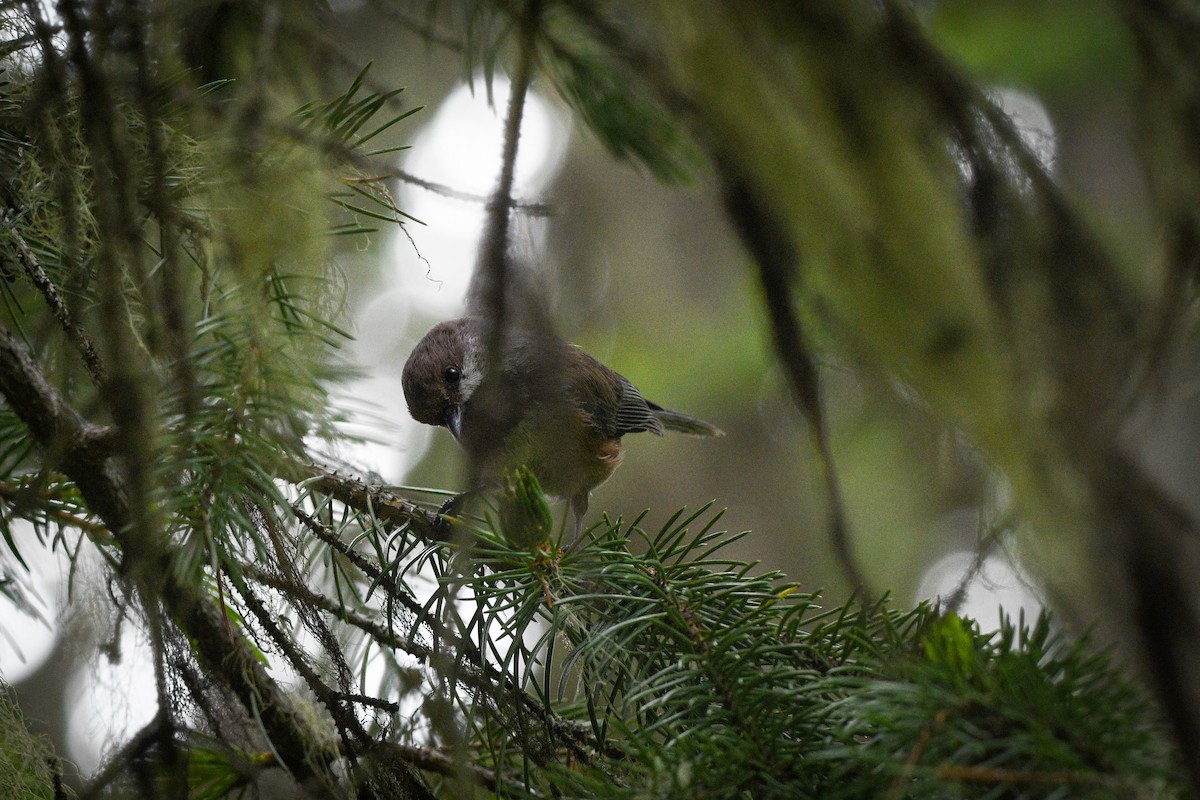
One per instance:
[(443, 371)]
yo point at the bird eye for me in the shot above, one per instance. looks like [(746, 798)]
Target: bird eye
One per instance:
[(452, 375)]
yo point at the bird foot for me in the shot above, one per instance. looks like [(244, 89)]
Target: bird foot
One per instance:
[(446, 516)]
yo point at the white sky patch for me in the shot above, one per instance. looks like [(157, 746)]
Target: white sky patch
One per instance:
[(1032, 122), (110, 701), (997, 585), (380, 435), (26, 641), (460, 148)]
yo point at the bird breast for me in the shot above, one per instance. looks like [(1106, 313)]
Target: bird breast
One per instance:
[(567, 454)]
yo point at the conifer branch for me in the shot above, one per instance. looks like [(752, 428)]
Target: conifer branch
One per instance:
[(356, 493), (22, 504), (476, 673), (53, 297), (57, 427), (486, 681)]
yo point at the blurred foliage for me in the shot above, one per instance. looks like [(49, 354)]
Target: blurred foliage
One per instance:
[(524, 513), (626, 118), (1058, 48)]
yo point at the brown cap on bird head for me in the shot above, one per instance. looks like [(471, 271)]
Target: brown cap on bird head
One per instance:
[(441, 373)]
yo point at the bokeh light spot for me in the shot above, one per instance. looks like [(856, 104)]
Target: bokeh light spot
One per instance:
[(997, 585)]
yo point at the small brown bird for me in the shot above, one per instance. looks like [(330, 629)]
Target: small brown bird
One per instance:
[(551, 407)]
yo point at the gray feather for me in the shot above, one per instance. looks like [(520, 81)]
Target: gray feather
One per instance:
[(682, 423), (634, 414)]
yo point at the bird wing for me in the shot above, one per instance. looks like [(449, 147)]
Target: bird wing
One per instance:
[(613, 405), (634, 413)]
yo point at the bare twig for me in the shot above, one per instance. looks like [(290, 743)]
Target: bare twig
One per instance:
[(490, 283), (987, 537), (298, 592), (133, 749), (369, 701), (525, 207), (349, 726), (395, 591), (54, 299), (433, 760), (423, 28), (777, 263)]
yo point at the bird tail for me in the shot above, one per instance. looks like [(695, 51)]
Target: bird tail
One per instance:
[(682, 423)]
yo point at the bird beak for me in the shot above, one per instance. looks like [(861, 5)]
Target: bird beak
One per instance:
[(454, 421)]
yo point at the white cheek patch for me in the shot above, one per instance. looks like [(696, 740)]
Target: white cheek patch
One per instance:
[(472, 373)]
